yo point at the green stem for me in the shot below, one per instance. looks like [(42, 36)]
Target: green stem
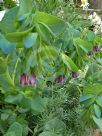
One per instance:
[(13, 76)]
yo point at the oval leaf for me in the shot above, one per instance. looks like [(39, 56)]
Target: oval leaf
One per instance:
[(30, 40), (68, 62)]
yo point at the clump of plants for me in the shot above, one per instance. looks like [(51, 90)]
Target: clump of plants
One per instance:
[(50, 69)]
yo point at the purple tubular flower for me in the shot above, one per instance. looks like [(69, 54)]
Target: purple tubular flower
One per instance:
[(32, 79), (74, 74), (60, 79), (23, 79), (96, 48), (90, 53)]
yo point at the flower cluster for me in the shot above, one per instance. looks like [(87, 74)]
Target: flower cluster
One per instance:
[(27, 80), (96, 22), (81, 73), (85, 4), (96, 48)]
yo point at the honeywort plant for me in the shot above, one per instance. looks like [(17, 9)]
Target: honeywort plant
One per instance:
[(40, 56), (28, 61)]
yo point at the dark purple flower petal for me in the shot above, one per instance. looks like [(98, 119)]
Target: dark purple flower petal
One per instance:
[(23, 79), (60, 79), (96, 48), (90, 53), (74, 74), (32, 79)]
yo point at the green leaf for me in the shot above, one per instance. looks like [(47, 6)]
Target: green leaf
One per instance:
[(10, 134), (4, 116), (48, 51), (85, 97), (87, 103), (38, 104), (23, 17), (7, 25), (69, 63), (92, 69), (84, 45), (92, 89), (25, 6), (91, 36), (30, 40), (57, 25), (98, 122), (26, 103), (97, 111), (3, 127), (99, 100), (6, 80), (44, 32), (5, 45), (18, 36), (48, 29), (15, 128), (14, 99), (98, 40), (55, 125), (97, 76)]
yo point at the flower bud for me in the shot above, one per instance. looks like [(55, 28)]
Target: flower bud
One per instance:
[(23, 79), (96, 48), (32, 79), (90, 53), (60, 79), (74, 74)]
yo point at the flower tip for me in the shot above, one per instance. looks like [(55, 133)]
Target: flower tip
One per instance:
[(90, 53), (60, 79), (74, 74), (96, 48)]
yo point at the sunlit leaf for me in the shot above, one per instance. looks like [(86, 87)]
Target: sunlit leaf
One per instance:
[(69, 63)]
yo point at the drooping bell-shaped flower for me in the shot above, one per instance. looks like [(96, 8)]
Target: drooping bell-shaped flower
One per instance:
[(32, 79), (74, 74), (60, 79), (24, 79), (90, 53), (96, 48)]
